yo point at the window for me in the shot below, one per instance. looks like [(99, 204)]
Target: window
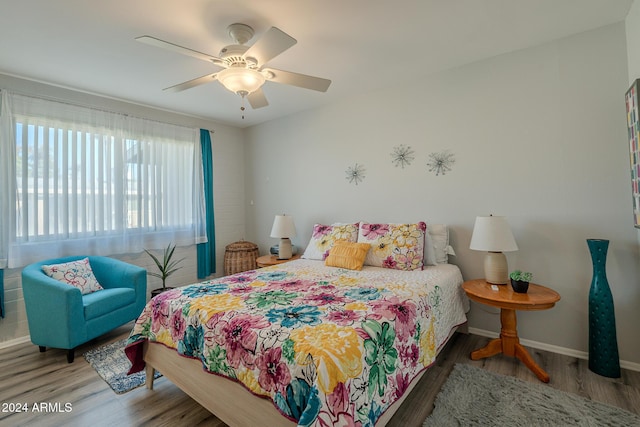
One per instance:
[(90, 181)]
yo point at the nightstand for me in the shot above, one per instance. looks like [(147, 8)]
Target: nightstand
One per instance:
[(267, 260), (538, 297)]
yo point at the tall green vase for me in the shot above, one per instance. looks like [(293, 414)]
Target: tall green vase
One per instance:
[(603, 344)]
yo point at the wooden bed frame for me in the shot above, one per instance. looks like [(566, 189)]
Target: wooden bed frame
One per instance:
[(226, 399)]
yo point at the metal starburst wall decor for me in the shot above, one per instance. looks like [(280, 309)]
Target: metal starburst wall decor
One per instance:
[(441, 162), (355, 174), (402, 156)]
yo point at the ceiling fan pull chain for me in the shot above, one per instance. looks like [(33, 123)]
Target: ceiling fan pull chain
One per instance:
[(242, 106)]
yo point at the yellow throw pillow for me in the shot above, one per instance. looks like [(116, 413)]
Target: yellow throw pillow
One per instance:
[(349, 255)]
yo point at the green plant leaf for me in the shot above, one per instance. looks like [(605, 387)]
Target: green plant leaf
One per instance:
[(167, 266)]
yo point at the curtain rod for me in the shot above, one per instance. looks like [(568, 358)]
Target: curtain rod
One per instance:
[(93, 107)]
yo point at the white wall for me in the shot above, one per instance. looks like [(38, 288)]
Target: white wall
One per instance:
[(632, 27), (228, 159), (538, 136)]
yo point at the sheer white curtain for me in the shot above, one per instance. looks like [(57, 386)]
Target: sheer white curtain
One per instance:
[(94, 182), (7, 179)]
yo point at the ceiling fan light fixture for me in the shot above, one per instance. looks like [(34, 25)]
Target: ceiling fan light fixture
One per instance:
[(241, 80)]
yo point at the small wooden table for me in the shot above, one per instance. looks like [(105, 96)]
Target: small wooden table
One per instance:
[(538, 297), (267, 260)]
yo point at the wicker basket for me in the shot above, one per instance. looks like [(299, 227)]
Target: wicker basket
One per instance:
[(240, 256)]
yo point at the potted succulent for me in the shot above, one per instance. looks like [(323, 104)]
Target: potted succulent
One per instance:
[(520, 281), (167, 266)]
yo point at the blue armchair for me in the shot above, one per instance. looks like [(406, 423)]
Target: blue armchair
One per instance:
[(60, 316)]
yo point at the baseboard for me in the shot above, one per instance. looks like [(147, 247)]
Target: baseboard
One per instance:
[(632, 366), (21, 340)]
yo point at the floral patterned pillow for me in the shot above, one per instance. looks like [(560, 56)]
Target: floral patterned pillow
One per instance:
[(323, 238), (75, 273), (396, 246)]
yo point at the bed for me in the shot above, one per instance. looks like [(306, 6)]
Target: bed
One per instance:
[(301, 342)]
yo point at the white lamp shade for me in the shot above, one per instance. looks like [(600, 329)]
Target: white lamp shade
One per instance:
[(283, 227), (492, 234)]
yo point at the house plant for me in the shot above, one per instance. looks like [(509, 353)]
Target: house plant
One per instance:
[(520, 281), (167, 266)]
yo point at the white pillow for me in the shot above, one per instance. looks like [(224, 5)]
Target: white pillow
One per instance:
[(429, 250), (439, 236), (75, 273)]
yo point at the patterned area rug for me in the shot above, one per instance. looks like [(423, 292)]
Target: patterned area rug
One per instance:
[(475, 397), (112, 365)]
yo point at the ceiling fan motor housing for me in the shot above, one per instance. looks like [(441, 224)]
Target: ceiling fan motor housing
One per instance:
[(232, 56)]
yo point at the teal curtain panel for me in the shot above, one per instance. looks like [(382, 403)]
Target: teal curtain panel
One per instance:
[(207, 251), (2, 293)]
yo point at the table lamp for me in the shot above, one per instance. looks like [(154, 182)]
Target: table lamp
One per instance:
[(284, 228), (493, 234)]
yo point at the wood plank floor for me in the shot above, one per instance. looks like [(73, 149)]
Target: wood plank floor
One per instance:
[(28, 377)]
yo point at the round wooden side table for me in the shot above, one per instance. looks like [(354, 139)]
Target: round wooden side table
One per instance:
[(267, 260), (538, 297)]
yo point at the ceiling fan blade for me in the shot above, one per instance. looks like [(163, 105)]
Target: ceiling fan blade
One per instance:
[(192, 83), (271, 44), (257, 99), (300, 80), (179, 49)]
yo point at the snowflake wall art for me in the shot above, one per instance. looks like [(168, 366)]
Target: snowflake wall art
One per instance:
[(441, 162), (355, 174), (402, 156)]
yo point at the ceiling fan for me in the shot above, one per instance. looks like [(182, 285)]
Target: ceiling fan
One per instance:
[(243, 67)]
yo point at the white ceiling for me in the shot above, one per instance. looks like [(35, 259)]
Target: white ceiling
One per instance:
[(360, 45)]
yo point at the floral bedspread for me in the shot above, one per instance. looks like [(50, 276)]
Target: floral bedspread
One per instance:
[(328, 346)]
